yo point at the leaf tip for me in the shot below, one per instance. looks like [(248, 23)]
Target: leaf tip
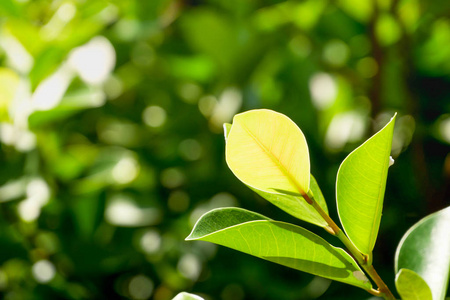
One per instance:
[(394, 116), (226, 130), (391, 161)]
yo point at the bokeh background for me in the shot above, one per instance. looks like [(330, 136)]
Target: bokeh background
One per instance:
[(112, 146)]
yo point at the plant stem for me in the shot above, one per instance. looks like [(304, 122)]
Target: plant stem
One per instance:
[(363, 260)]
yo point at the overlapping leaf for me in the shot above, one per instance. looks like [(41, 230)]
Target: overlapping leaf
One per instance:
[(279, 242), (360, 187), (411, 286), (297, 206), (425, 249)]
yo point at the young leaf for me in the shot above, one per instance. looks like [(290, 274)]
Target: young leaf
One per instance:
[(279, 242), (360, 187), (268, 152), (297, 206), (411, 286), (187, 296), (425, 249), (293, 204), (226, 130)]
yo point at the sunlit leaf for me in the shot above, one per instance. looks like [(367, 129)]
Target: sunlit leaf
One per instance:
[(294, 205), (297, 206), (279, 242), (411, 286), (360, 186), (268, 152), (187, 296), (425, 249)]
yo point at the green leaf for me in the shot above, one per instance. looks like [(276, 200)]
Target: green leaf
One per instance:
[(297, 205), (360, 186), (425, 249), (187, 296), (411, 286), (279, 242), (268, 152), (226, 130), (294, 205)]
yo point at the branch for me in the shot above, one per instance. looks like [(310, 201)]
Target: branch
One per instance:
[(365, 261)]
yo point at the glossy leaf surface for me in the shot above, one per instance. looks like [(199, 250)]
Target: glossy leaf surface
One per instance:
[(411, 286), (279, 242), (425, 249), (360, 187), (267, 151), (187, 296)]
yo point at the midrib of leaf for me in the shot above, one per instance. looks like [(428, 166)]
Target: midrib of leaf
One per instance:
[(374, 228), (226, 229), (276, 161)]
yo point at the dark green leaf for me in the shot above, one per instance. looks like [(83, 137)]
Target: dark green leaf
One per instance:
[(425, 249)]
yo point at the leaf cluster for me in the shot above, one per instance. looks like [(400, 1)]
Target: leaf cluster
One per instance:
[(269, 154)]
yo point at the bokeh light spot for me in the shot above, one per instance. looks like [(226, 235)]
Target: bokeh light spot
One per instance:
[(150, 241), (323, 90), (172, 178), (126, 170), (140, 287), (154, 116), (43, 271), (229, 103), (190, 149), (367, 67), (39, 190), (29, 210), (336, 53), (38, 194), (94, 61), (206, 105), (189, 266), (344, 128), (123, 211), (190, 92), (444, 128), (66, 11)]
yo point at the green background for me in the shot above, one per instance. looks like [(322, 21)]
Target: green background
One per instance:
[(102, 178)]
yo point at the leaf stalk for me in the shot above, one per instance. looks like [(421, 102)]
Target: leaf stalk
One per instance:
[(365, 261)]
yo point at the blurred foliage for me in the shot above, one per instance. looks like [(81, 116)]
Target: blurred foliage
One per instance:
[(112, 147)]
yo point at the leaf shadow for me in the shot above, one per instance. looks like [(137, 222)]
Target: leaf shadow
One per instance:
[(288, 193)]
